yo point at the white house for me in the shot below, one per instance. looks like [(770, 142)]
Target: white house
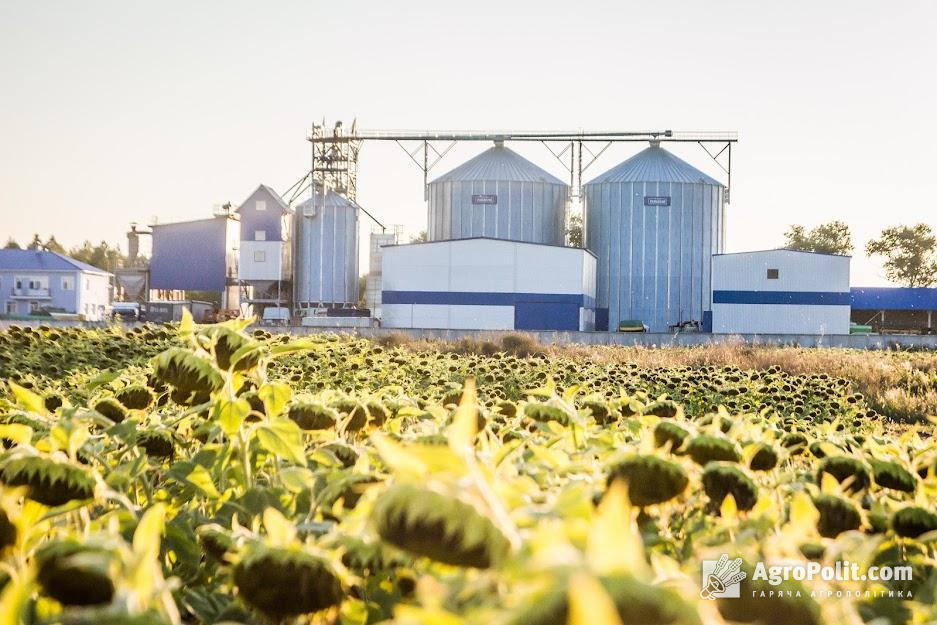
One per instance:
[(33, 280)]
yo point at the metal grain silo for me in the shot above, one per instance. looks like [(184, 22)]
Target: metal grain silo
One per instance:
[(654, 222), (326, 251), (498, 194)]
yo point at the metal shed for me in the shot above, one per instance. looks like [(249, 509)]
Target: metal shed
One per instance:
[(780, 292), (895, 309), (654, 221)]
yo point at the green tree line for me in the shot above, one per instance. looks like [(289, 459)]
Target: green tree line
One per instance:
[(102, 255), (909, 253)]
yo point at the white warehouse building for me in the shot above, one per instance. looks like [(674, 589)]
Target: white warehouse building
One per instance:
[(488, 284), (780, 292)]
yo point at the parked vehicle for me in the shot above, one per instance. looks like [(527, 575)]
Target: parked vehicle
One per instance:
[(276, 316), (632, 325), (127, 311)]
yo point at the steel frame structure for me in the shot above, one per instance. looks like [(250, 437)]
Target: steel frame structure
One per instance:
[(335, 153)]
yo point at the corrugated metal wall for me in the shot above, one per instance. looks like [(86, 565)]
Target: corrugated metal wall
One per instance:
[(805, 293), (326, 247), (192, 255), (523, 211), (498, 194), (654, 262)]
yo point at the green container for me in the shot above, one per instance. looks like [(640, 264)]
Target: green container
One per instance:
[(631, 325)]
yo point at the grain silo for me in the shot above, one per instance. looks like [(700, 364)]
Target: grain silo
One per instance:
[(654, 222), (498, 194), (326, 251)]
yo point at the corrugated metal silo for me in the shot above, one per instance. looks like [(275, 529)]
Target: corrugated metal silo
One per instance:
[(498, 194), (654, 222), (326, 251)]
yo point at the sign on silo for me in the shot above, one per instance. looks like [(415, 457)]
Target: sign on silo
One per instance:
[(657, 200), (487, 198)]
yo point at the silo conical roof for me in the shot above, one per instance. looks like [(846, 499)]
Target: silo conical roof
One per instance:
[(330, 200), (655, 164), (499, 163)]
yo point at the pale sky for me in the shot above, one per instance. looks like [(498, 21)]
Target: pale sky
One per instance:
[(120, 111)]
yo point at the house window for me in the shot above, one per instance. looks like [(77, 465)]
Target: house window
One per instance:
[(260, 205), (19, 283), (67, 283), (260, 235), (773, 274), (11, 308), (260, 256), (35, 284), (33, 306)]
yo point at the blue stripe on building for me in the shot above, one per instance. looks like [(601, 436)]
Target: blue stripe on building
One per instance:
[(471, 298), (546, 316), (532, 311), (799, 298)]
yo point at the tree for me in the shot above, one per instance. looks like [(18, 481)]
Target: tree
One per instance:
[(54, 246), (11, 244), (910, 254), (419, 238), (829, 238), (35, 244), (102, 255), (574, 231)]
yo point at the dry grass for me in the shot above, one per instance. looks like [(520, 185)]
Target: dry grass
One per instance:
[(901, 385)]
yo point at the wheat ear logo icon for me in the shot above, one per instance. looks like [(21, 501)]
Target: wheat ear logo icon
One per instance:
[(724, 575)]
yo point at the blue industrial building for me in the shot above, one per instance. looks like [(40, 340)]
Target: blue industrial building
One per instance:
[(35, 280), (194, 255)]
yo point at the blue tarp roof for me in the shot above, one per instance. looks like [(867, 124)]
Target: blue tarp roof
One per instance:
[(878, 298), (40, 260)]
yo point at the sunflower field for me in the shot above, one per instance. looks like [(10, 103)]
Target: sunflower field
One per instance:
[(218, 474)]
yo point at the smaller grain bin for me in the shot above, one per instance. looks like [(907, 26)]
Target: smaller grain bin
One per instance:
[(498, 194), (326, 251)]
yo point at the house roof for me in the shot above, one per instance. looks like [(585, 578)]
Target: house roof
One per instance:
[(42, 260), (269, 191)]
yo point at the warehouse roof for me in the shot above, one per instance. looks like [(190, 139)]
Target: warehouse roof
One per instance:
[(885, 298), (565, 247), (499, 164), (783, 249), (654, 164), (42, 260)]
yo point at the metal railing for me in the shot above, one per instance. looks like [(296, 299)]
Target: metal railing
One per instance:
[(26, 292)]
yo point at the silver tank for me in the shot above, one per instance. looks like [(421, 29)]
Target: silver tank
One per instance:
[(654, 222), (498, 194), (326, 251)]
